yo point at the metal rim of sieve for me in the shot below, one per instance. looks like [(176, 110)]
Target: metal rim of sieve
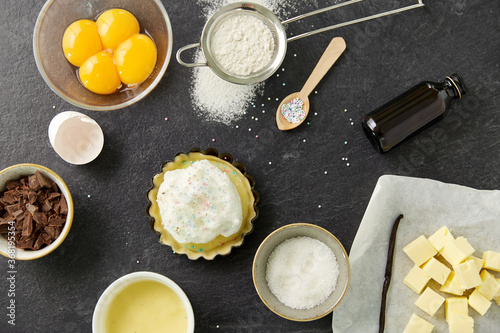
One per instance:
[(267, 17)]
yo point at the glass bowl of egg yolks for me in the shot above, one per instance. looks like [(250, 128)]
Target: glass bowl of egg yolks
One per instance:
[(66, 75)]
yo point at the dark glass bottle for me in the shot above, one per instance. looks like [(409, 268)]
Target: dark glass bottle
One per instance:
[(414, 110)]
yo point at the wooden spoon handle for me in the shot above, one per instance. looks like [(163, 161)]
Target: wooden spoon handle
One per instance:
[(331, 54)]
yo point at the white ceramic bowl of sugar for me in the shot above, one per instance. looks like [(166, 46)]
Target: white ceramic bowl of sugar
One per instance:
[(260, 266)]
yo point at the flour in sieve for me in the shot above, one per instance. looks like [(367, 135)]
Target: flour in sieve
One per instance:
[(242, 44), (214, 98)]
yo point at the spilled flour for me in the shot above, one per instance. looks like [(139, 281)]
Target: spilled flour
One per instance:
[(218, 100)]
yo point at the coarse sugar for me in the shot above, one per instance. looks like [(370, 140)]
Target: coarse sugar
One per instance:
[(302, 272)]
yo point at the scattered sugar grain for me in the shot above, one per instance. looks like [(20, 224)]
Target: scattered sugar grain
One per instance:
[(302, 272)]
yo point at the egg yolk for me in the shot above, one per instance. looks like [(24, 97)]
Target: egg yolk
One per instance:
[(135, 59), (98, 74), (80, 41), (115, 26)]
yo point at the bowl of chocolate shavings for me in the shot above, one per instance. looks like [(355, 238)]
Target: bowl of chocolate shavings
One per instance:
[(36, 211)]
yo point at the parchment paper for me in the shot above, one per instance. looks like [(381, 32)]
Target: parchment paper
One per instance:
[(427, 205)]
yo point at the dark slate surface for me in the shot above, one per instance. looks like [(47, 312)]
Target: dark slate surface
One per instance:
[(111, 236)]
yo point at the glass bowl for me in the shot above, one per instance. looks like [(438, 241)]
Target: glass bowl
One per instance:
[(60, 75)]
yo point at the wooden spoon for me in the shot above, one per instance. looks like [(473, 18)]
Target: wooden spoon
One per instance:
[(331, 54)]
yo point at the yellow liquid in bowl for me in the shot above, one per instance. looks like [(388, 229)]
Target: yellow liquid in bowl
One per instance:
[(146, 307)]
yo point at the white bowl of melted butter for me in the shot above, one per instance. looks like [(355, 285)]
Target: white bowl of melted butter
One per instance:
[(143, 302)]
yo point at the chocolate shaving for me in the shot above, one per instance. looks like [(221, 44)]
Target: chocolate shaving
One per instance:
[(63, 205), (27, 225), (42, 180), (10, 197), (11, 209), (31, 196), (18, 214), (46, 206), (34, 183), (55, 221), (4, 226), (388, 272), (31, 208), (39, 242), (12, 184), (40, 217), (38, 209)]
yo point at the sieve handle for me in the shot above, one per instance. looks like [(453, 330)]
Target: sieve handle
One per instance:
[(366, 18), (185, 64)]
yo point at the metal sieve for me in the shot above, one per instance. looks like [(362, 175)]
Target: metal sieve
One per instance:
[(277, 29)]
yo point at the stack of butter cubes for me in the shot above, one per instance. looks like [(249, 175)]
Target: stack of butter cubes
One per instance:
[(464, 278)]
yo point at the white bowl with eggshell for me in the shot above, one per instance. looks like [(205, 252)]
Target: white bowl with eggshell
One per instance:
[(293, 232)]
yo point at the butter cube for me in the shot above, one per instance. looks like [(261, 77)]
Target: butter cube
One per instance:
[(418, 325), (467, 274), (460, 323), (440, 238), (456, 305), (430, 301), (497, 296), (478, 302), (436, 270), (420, 250), (452, 286), (478, 261), (490, 286), (457, 250), (492, 260), (416, 279)]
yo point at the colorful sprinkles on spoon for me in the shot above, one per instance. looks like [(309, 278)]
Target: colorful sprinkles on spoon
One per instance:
[(293, 111)]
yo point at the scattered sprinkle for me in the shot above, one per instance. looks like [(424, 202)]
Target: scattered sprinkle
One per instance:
[(88, 196), (347, 164), (319, 206), (256, 119), (249, 129), (315, 113), (166, 119), (294, 54), (326, 172), (137, 261), (304, 140), (257, 136), (237, 126), (263, 111), (345, 142), (213, 140), (270, 162)]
